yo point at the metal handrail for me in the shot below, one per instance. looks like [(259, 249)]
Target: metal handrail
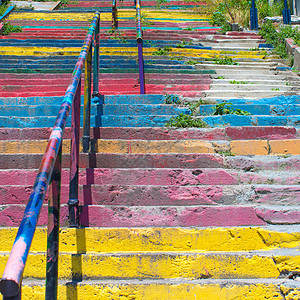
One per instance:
[(50, 169), (139, 39)]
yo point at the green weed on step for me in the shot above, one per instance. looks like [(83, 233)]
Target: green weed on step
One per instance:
[(224, 61), (9, 28), (171, 99), (185, 121), (162, 51), (224, 108)]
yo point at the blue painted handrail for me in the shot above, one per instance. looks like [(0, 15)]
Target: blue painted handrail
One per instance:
[(6, 13), (10, 284), (139, 39)]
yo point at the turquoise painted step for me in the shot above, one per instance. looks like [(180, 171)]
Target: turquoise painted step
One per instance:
[(256, 109), (235, 120), (113, 99), (132, 121), (133, 99), (105, 121), (104, 43), (120, 109), (278, 100)]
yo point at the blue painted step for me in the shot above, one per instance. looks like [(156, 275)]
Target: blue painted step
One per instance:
[(113, 99), (104, 43), (278, 100), (120, 111), (256, 109), (235, 120), (106, 109), (132, 121)]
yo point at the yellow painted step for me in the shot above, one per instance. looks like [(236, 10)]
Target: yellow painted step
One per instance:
[(129, 51), (115, 146), (105, 16), (161, 265), (165, 291), (236, 147), (115, 240)]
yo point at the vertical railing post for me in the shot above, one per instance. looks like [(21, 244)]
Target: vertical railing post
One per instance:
[(114, 24), (74, 160), (17, 297), (96, 60), (53, 231), (253, 16), (141, 67), (286, 13), (87, 103), (139, 39)]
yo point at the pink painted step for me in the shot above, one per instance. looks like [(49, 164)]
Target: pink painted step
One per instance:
[(166, 195), (199, 216), (107, 89), (147, 133), (103, 76), (104, 82), (108, 160), (99, 216), (155, 177)]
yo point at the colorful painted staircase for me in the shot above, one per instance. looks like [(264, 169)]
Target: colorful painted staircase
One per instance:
[(166, 213)]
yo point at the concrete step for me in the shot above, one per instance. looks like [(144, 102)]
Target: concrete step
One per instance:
[(13, 180), (106, 109), (164, 216), (228, 133), (242, 87), (205, 289), (147, 240), (162, 195), (173, 160), (256, 109), (109, 99), (246, 94), (259, 120), (236, 147), (184, 265)]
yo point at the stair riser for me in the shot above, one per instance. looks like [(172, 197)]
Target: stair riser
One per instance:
[(228, 133), (183, 161), (165, 195), (259, 109), (32, 161), (158, 177), (235, 120), (237, 147), (166, 216), (126, 110), (183, 291), (156, 266), (186, 240)]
